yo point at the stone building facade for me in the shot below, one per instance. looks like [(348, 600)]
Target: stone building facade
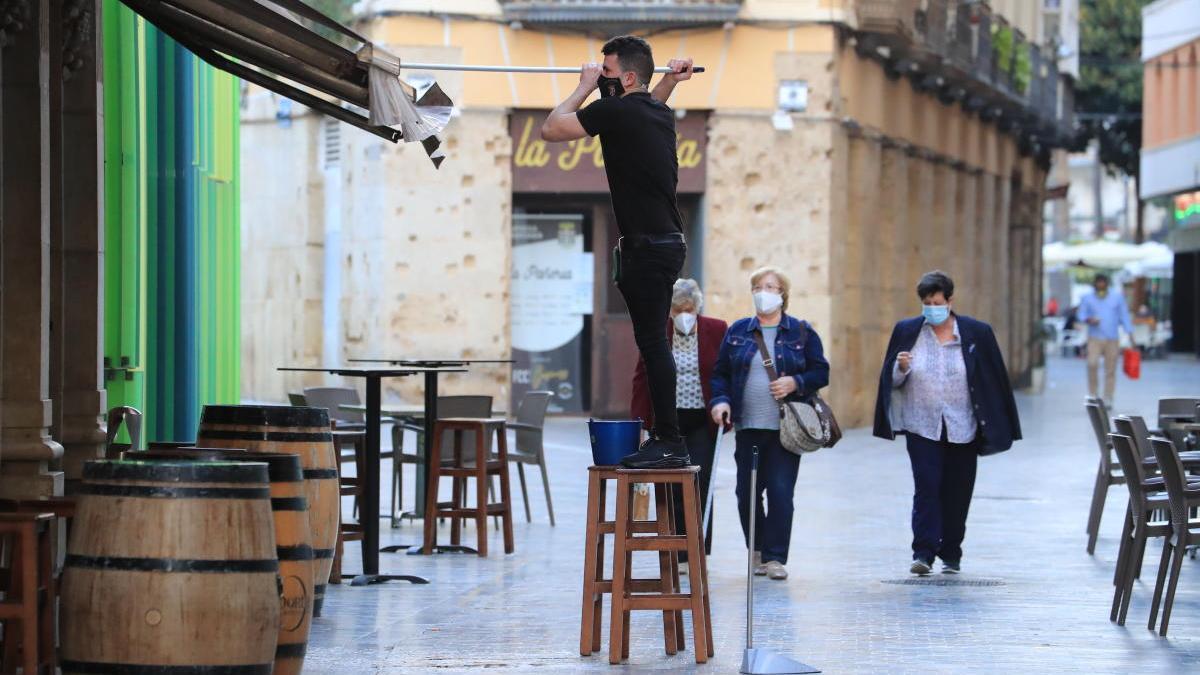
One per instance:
[(831, 148)]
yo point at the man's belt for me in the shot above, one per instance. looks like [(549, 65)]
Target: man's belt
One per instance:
[(642, 240)]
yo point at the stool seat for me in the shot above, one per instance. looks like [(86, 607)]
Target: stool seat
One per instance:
[(479, 465)]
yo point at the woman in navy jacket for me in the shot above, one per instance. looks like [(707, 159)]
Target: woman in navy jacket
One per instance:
[(944, 386), (744, 393), (694, 340)]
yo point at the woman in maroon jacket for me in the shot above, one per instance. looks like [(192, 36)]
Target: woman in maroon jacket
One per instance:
[(695, 341)]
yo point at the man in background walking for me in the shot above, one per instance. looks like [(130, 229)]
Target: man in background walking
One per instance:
[(1105, 313)]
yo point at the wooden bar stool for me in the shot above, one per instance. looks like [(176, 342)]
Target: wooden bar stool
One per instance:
[(30, 590), (481, 468), (667, 598), (595, 585)]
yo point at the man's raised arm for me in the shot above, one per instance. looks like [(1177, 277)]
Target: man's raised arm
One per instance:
[(562, 124), (681, 69)]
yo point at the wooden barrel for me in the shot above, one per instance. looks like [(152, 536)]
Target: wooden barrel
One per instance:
[(290, 430), (184, 453), (293, 542), (171, 568)]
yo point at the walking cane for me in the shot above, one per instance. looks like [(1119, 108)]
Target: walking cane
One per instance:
[(712, 481), (761, 661)]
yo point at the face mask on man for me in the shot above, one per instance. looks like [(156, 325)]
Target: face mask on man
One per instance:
[(766, 302), (610, 86), (685, 322), (936, 314)]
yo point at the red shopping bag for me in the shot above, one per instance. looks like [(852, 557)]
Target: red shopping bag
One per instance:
[(1132, 363)]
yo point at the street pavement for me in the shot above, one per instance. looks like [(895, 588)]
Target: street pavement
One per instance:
[(1030, 598)]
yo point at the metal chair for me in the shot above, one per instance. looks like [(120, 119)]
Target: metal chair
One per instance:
[(529, 447), (333, 398), (1140, 525), (469, 406), (1107, 475), (132, 419), (1184, 532)]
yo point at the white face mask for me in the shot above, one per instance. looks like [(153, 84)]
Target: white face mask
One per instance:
[(685, 322), (766, 302)]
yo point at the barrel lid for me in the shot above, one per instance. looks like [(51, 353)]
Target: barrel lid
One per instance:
[(177, 471), (281, 467), (265, 415)]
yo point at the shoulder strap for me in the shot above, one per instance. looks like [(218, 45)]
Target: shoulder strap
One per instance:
[(768, 363)]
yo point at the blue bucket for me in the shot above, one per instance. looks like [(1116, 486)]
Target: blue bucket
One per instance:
[(613, 439)]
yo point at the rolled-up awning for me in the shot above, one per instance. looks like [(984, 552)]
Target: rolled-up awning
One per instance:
[(275, 44)]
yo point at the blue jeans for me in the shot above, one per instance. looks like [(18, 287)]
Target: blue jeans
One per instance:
[(943, 482), (777, 470)]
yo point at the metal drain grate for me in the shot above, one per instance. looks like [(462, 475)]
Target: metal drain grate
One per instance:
[(943, 581)]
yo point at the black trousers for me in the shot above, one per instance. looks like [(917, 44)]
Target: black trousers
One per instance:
[(647, 274), (943, 482), (702, 444)]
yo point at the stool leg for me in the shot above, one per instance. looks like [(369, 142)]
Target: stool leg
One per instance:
[(50, 602), (30, 622), (590, 561), (704, 586), (505, 489), (676, 584), (335, 574), (459, 486), (666, 583), (695, 538), (481, 491), (431, 494), (616, 633), (598, 609)]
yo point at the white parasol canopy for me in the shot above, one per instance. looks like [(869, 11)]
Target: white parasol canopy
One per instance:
[(1106, 254)]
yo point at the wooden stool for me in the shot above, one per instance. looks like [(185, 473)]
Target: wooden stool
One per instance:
[(30, 590), (628, 596), (350, 486), (594, 583), (481, 470)]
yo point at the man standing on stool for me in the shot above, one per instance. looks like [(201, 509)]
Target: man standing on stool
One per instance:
[(637, 137)]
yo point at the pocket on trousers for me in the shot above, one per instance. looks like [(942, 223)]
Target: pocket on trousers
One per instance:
[(616, 265)]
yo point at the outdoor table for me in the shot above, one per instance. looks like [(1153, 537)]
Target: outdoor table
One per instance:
[(368, 505), (432, 368)]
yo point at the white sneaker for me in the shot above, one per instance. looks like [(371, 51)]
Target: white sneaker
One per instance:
[(683, 569), (760, 570), (920, 567), (776, 570)]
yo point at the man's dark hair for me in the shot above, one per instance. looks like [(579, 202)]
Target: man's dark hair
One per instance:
[(934, 282), (633, 54), (1101, 277)]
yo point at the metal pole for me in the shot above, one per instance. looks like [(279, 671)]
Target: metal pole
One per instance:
[(510, 69)]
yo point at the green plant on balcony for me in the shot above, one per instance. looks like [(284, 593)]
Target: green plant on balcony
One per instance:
[(1022, 69), (1002, 48)]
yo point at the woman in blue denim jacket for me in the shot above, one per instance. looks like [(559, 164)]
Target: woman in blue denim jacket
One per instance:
[(744, 394)]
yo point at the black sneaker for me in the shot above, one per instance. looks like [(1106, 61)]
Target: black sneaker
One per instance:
[(658, 454), (951, 567)]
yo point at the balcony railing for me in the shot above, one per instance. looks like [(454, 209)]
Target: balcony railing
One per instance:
[(629, 12), (889, 17)]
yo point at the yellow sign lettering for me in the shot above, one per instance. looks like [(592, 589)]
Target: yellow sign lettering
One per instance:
[(530, 154)]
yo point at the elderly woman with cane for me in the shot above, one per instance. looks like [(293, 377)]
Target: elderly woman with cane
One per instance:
[(945, 387), (744, 393), (695, 340)]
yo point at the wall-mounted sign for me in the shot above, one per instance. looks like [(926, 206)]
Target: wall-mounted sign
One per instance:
[(578, 166)]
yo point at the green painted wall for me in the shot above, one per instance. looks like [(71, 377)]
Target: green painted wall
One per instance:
[(172, 235)]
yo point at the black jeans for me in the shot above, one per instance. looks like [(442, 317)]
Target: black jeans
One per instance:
[(777, 470), (943, 482), (647, 274), (701, 444)]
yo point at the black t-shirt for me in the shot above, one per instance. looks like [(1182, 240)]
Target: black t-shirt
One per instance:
[(637, 135)]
